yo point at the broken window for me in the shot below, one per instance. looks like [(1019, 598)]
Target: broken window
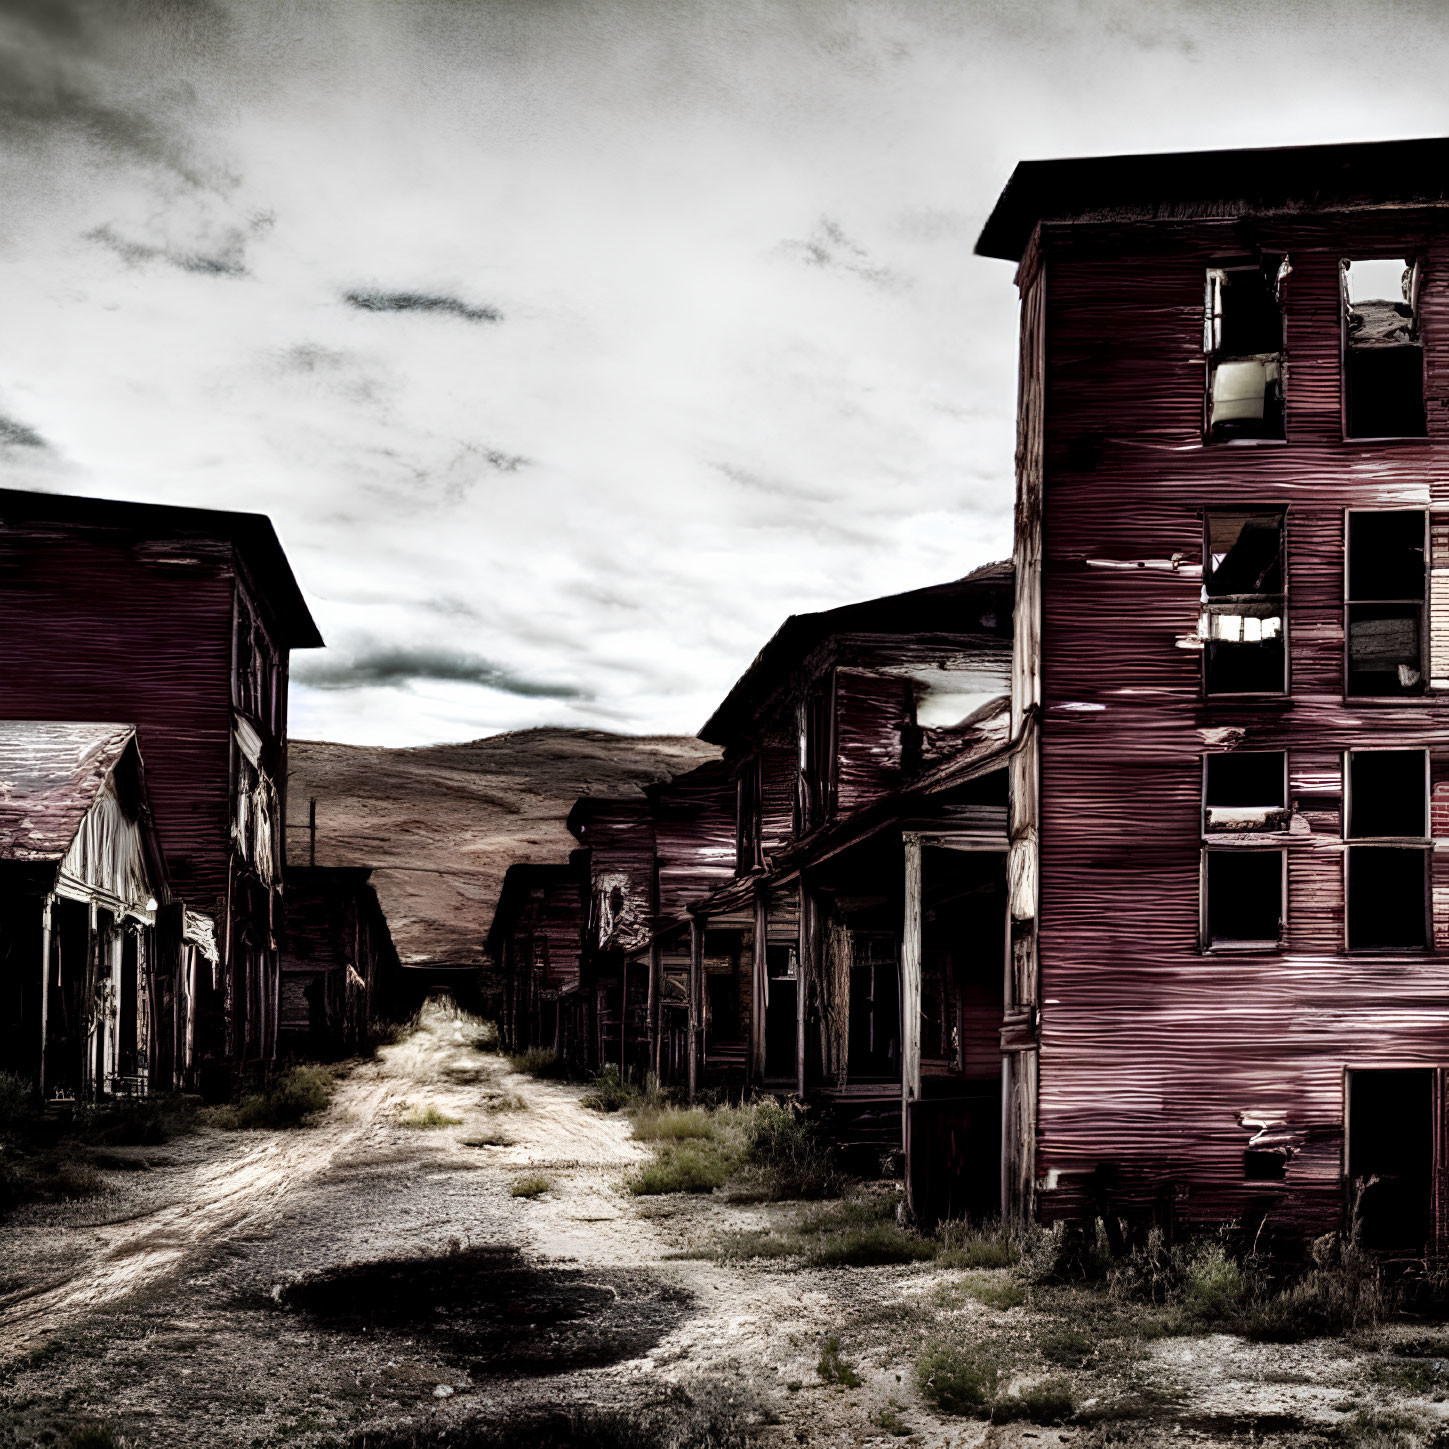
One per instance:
[(1245, 790), (1388, 881), (1265, 1164), (1243, 340), (1244, 889), (1383, 354), (1243, 622), (817, 754), (1384, 624), (747, 816)]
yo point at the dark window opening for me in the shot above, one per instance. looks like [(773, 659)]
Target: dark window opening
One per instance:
[(1265, 1164), (1245, 790), (1385, 603), (875, 1010), (782, 976), (1388, 896), (817, 754), (1383, 354), (747, 816), (723, 993), (1387, 793), (1244, 897), (1243, 621), (1391, 1157), (127, 1058), (1243, 339)]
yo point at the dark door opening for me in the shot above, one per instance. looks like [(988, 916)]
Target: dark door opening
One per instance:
[(875, 1009), (781, 973), (127, 1058), (1391, 1157)]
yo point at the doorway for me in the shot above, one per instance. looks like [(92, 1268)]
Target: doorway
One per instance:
[(1391, 1157)]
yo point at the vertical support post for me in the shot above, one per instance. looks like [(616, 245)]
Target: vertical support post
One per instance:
[(759, 989), (804, 974), (910, 989), (44, 986), (696, 997), (312, 831), (624, 1018), (656, 990)]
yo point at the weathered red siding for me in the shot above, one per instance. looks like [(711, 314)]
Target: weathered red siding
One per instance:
[(1153, 1053)]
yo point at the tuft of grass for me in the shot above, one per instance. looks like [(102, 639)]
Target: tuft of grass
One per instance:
[(970, 1245), (487, 1139), (860, 1233), (504, 1102), (957, 1380), (673, 1124), (531, 1186), (610, 1092), (92, 1436), (292, 1099), (888, 1417), (1067, 1347), (688, 1166), (786, 1157), (1213, 1284), (833, 1369), (996, 1295), (541, 1062), (1048, 1402), (429, 1119)]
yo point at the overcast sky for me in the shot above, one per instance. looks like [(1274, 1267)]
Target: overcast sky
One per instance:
[(572, 346)]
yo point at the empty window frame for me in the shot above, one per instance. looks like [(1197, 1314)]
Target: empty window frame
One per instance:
[(1383, 353), (816, 787), (1387, 803), (1243, 623), (747, 816), (1243, 340), (1245, 790), (1242, 898), (1384, 594)]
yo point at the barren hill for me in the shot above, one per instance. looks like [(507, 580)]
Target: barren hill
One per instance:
[(441, 824)]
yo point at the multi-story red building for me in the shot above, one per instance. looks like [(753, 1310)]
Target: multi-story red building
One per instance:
[(179, 621), (1230, 778)]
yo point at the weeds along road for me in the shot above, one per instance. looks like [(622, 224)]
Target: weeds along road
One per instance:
[(377, 1266)]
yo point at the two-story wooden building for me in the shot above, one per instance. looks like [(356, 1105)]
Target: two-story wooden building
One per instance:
[(180, 622), (1230, 700)]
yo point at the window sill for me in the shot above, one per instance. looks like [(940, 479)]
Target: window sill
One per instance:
[(1242, 948)]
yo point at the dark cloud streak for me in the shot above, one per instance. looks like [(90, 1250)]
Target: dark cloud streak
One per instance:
[(366, 300), (394, 668)]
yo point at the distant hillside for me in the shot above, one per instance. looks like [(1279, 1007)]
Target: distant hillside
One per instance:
[(441, 824)]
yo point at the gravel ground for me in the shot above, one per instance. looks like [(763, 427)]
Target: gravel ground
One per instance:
[(362, 1278)]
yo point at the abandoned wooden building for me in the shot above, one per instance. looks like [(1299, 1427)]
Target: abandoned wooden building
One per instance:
[(534, 945), (179, 622), (1230, 892), (96, 976), (340, 973)]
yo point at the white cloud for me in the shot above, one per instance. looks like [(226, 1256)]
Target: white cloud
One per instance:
[(746, 363)]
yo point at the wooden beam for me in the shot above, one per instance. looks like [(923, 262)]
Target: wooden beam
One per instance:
[(758, 989), (910, 985), (804, 974), (696, 994), (656, 990), (44, 985)]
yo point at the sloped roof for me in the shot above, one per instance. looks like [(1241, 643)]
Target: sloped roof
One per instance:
[(1191, 184), (251, 534), (50, 774), (932, 610)]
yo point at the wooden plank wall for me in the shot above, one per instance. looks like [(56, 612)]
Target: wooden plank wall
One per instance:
[(1155, 1057)]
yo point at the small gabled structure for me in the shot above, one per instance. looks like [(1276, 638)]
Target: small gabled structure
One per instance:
[(340, 971), (95, 999), (534, 946)]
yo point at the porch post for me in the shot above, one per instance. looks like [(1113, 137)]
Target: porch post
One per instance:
[(910, 987), (656, 1009), (759, 989), (696, 992), (44, 985), (804, 974)]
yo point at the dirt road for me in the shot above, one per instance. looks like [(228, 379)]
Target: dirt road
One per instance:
[(372, 1281), (366, 1272)]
